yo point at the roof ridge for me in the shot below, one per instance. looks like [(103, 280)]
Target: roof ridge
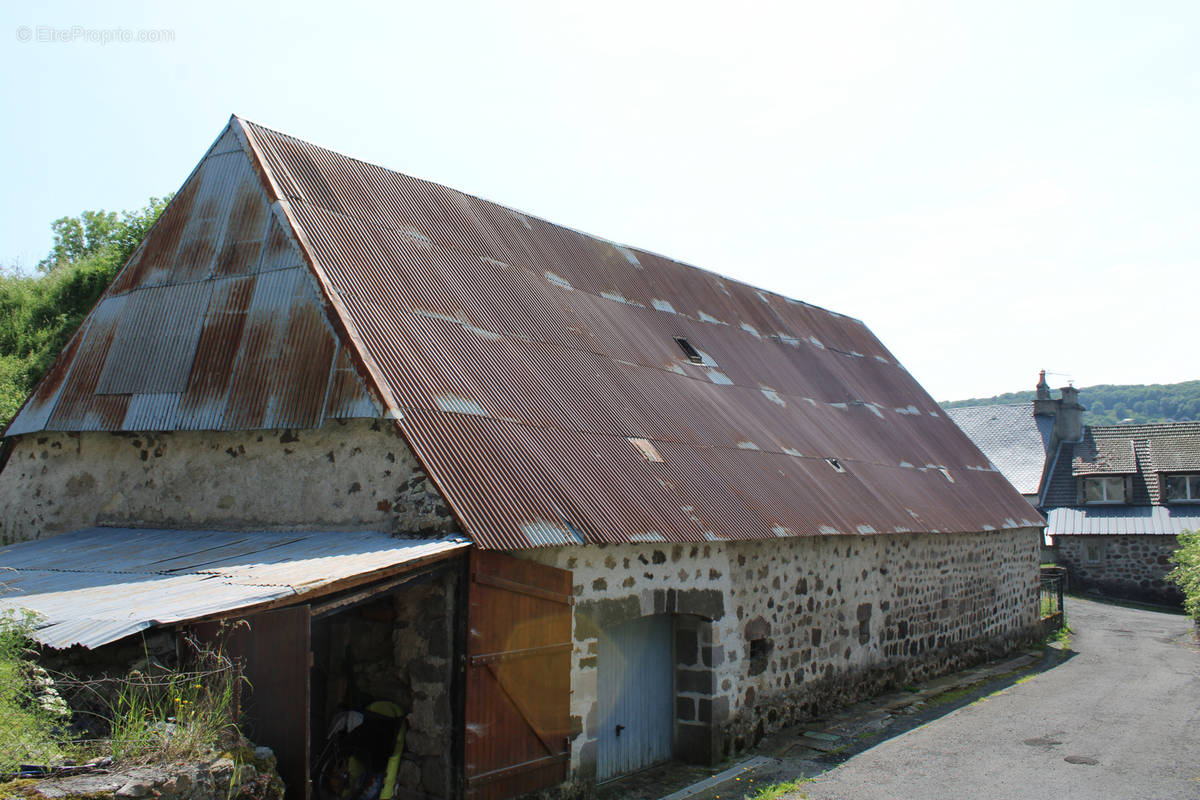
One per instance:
[(596, 237)]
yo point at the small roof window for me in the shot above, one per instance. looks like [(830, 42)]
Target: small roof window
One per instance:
[(837, 465), (692, 353)]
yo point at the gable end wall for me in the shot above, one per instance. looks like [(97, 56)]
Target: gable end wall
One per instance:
[(347, 475)]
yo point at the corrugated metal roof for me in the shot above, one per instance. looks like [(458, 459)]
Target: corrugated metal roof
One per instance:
[(1122, 520), (98, 585), (216, 323), (520, 358)]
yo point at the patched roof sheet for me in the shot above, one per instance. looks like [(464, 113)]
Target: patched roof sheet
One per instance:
[(1014, 440), (520, 358)]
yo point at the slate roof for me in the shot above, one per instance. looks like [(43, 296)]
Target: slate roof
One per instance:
[(1144, 452), (1013, 439), (537, 372)]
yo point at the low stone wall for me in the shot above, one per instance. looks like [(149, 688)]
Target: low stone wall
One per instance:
[(1130, 567), (352, 475), (770, 632)]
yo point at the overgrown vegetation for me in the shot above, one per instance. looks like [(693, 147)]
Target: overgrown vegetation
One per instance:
[(154, 713), (1109, 404), (27, 725), (171, 714), (1186, 574), (38, 313)]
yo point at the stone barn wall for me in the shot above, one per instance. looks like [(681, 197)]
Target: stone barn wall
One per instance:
[(767, 633), (1133, 567), (352, 475)]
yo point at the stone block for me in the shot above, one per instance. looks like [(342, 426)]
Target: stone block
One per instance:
[(686, 647), (696, 681)]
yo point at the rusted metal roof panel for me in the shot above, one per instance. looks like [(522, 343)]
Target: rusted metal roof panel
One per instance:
[(123, 580), (524, 356), (521, 359), (215, 323)]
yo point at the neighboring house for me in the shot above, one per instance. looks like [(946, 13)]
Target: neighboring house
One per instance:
[(1117, 499), (1115, 496), (694, 511)]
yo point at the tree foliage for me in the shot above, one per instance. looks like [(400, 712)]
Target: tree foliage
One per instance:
[(39, 313), (1186, 574), (1109, 404)]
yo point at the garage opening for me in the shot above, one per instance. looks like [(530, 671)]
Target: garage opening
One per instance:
[(385, 685)]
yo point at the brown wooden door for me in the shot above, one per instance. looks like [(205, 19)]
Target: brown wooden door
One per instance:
[(275, 647), (518, 676)]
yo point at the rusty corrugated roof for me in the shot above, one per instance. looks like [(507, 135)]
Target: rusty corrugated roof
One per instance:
[(520, 358), (214, 324)]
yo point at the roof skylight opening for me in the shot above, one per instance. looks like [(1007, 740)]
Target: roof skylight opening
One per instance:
[(837, 465), (692, 353)]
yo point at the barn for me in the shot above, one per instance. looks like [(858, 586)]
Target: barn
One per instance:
[(576, 507)]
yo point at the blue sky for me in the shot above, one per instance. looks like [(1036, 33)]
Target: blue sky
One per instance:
[(993, 188)]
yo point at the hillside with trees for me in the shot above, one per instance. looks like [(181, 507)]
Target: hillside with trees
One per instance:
[(38, 313), (1109, 404)]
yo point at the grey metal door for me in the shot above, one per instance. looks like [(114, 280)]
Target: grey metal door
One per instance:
[(636, 689)]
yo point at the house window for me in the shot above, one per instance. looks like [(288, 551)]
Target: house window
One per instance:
[(1095, 552), (1104, 490), (1183, 488)]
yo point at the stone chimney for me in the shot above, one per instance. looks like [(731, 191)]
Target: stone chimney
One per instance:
[(1044, 405), (1066, 411), (1068, 424)]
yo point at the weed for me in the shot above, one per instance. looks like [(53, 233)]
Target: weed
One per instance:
[(777, 790), (30, 710), (172, 714)]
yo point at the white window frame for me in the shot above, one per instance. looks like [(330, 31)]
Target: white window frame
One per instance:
[(1191, 486), (1104, 481)]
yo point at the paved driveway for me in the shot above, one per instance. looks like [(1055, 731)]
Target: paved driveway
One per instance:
[(1120, 720)]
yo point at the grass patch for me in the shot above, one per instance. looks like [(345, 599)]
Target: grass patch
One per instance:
[(30, 713), (777, 790), (1062, 637), (154, 713)]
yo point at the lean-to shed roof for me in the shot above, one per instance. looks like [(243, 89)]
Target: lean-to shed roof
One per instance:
[(559, 388)]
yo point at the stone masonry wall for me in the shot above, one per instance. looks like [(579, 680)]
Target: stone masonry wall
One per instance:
[(357, 474), (1133, 567), (769, 632)]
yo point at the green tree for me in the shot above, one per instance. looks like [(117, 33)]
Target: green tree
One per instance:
[(1186, 574)]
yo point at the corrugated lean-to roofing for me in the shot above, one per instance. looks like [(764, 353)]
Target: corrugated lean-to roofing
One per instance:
[(99, 585), (539, 373)]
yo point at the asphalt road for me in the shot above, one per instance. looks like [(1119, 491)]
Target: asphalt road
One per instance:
[(1117, 720)]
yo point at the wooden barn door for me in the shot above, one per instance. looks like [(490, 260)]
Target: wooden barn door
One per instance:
[(275, 647), (518, 676)]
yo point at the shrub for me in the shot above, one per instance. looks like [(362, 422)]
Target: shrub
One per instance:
[(1186, 574), (30, 711)]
